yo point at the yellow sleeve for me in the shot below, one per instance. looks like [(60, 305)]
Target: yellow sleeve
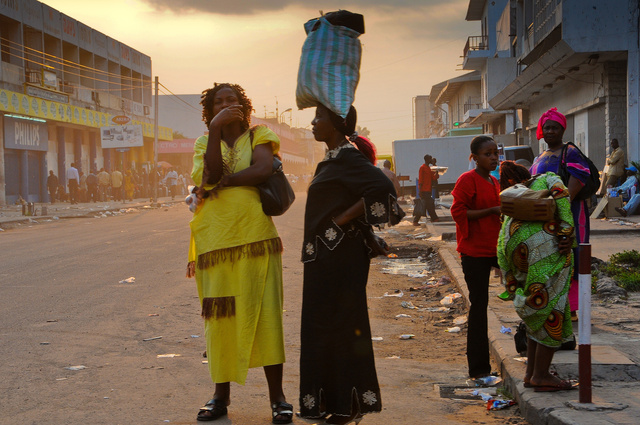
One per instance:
[(263, 134), (199, 148)]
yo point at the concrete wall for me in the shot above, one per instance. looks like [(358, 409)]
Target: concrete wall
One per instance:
[(180, 116), (615, 84), (596, 25), (500, 72), (422, 115)]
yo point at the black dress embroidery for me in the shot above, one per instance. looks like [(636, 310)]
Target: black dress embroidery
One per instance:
[(336, 357)]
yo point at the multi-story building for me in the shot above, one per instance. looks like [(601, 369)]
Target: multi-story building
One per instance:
[(452, 102), (60, 82), (489, 55), (581, 56)]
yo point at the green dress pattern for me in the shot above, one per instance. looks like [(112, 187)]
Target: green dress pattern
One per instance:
[(535, 274)]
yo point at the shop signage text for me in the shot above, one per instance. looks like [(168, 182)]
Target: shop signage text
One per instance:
[(25, 135)]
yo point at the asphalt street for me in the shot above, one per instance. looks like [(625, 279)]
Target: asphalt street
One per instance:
[(65, 306)]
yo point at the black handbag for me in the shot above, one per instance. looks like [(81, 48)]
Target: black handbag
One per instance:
[(276, 194)]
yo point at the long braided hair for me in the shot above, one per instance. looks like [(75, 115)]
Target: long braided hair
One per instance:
[(207, 103)]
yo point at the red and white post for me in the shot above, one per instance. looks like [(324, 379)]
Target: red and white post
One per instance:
[(584, 321)]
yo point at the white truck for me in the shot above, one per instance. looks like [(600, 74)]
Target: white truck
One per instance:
[(450, 152)]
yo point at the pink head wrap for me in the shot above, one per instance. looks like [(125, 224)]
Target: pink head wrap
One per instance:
[(553, 115)]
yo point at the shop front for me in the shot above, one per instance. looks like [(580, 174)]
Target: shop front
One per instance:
[(25, 147)]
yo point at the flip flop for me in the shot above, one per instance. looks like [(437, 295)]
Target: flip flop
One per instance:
[(562, 386)]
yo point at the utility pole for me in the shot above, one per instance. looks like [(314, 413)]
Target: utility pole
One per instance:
[(155, 146)]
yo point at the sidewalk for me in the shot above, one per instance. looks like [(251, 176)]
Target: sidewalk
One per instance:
[(11, 215), (615, 349)]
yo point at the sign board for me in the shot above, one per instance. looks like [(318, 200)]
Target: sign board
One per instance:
[(120, 119), (176, 146), (121, 136), (25, 134)]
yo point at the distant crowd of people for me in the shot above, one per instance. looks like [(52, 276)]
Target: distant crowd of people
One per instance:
[(103, 185)]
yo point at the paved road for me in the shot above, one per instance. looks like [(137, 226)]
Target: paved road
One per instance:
[(62, 305)]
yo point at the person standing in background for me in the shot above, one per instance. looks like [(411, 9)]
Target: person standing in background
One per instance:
[(52, 186), (104, 180), (116, 185), (435, 194), (92, 187), (82, 192), (615, 161), (73, 180), (425, 177), (386, 169), (171, 181)]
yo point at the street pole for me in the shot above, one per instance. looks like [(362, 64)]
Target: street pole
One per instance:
[(155, 145), (584, 322)]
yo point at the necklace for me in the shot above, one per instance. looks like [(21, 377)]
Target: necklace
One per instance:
[(335, 151)]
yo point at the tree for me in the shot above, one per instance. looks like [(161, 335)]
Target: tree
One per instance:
[(178, 135)]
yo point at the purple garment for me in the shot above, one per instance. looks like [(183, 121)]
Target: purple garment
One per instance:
[(578, 168)]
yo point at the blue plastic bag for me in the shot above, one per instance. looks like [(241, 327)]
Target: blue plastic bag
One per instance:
[(329, 69)]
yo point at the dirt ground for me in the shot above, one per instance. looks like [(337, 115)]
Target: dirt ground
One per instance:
[(431, 344)]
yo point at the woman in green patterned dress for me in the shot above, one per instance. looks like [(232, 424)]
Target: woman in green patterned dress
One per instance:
[(536, 262)]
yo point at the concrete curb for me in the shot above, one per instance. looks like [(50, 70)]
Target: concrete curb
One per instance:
[(10, 223), (537, 408)]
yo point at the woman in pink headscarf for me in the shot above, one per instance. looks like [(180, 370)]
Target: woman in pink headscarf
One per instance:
[(551, 127)]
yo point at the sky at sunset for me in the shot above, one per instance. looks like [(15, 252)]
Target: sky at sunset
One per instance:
[(409, 45)]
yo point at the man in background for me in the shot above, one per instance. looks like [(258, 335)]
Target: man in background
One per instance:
[(52, 186), (615, 161), (116, 185), (73, 181), (104, 180), (386, 169), (425, 177)]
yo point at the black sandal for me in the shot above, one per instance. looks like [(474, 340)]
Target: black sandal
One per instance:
[(212, 410), (286, 413)]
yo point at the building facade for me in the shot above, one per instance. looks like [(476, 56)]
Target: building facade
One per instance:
[(60, 82), (581, 56)]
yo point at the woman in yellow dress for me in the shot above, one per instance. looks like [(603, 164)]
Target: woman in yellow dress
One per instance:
[(235, 251)]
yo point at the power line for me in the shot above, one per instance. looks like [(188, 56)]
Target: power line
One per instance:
[(179, 98)]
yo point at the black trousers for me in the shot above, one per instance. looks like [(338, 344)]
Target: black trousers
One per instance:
[(429, 205), (73, 191), (477, 271)]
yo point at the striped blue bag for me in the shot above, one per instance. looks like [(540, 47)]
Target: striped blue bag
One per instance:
[(329, 67)]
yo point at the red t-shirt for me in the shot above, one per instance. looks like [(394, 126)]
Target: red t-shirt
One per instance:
[(476, 238), (424, 178)]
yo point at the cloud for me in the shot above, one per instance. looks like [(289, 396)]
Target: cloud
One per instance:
[(250, 7)]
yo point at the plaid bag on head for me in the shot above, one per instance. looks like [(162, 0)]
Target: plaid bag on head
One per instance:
[(329, 67)]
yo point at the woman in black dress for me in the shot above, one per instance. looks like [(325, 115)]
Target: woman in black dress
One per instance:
[(347, 195)]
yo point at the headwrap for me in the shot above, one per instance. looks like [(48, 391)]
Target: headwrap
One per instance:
[(551, 114)]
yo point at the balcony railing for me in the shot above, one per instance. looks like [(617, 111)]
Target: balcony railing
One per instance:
[(470, 106), (476, 42)]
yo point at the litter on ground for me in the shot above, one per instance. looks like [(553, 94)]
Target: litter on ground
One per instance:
[(448, 300)]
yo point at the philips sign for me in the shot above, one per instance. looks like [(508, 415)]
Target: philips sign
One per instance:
[(25, 134)]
